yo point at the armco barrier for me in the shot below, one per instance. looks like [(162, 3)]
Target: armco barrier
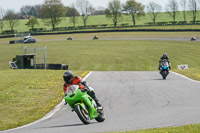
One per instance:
[(118, 30), (53, 66)]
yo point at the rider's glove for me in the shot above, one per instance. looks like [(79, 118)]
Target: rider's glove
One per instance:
[(85, 89), (83, 83)]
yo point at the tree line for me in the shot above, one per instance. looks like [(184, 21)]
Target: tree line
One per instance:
[(52, 11)]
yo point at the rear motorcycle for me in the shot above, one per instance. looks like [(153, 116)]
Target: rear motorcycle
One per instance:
[(83, 105), (164, 69)]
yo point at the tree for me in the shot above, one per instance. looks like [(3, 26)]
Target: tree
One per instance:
[(193, 8), (25, 10), (1, 18), (37, 11), (84, 8), (71, 11), (73, 14), (154, 9), (30, 10), (92, 10), (52, 11), (183, 3), (32, 22), (172, 8), (114, 11), (134, 9), (12, 19)]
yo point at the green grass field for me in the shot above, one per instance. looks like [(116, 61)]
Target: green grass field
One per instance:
[(101, 19), (36, 92), (27, 95)]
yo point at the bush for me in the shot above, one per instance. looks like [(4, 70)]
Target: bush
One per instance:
[(60, 28), (9, 31), (37, 30), (182, 22)]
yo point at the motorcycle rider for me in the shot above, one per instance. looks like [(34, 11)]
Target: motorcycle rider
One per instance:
[(70, 79), (164, 57)]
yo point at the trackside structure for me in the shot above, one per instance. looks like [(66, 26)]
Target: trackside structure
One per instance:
[(39, 56)]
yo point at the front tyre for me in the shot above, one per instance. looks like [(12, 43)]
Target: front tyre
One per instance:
[(101, 116), (164, 74), (83, 116)]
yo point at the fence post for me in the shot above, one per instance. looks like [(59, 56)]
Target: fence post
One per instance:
[(45, 65)]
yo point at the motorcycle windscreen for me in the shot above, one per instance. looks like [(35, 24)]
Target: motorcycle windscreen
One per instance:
[(165, 64), (71, 89)]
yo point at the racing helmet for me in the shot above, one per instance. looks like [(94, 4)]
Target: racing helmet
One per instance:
[(165, 55), (68, 77)]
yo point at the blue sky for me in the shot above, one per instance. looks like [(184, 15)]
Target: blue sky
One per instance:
[(17, 4)]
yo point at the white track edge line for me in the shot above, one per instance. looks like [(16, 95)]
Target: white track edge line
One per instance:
[(48, 115)]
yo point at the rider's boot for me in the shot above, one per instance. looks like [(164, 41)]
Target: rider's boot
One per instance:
[(92, 94), (98, 103)]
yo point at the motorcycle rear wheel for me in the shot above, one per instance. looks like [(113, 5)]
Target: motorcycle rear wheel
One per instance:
[(85, 118)]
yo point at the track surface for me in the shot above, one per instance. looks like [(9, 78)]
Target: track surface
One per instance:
[(123, 38), (110, 38), (132, 100)]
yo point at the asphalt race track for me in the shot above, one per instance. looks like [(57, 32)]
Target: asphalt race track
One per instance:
[(132, 100)]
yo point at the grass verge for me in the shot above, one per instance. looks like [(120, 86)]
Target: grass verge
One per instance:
[(27, 95), (182, 129)]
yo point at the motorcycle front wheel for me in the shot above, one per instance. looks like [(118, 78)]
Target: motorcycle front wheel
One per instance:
[(83, 115), (164, 74), (101, 116)]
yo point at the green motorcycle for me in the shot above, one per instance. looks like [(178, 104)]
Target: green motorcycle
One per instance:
[(83, 105)]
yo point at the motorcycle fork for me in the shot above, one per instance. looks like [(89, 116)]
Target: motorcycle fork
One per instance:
[(86, 108)]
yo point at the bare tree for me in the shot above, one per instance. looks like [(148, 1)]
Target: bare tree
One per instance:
[(1, 19), (183, 3), (30, 10), (25, 10), (73, 14), (172, 8), (154, 9), (12, 19), (92, 10), (134, 9), (84, 8), (193, 8), (114, 11), (52, 11), (37, 11)]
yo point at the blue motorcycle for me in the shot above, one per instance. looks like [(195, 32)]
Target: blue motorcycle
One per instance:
[(164, 69)]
